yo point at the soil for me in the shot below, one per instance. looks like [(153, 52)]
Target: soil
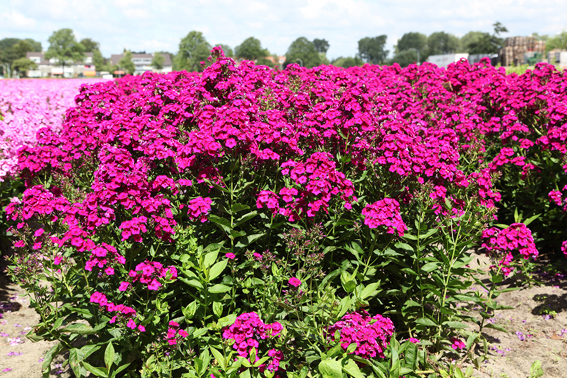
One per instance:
[(531, 334), (537, 327)]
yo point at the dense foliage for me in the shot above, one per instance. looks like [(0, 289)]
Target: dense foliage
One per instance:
[(304, 222)]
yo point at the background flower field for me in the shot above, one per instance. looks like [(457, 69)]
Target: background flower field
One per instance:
[(304, 222)]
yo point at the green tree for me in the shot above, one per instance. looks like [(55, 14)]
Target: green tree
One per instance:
[(497, 40), (21, 48), (405, 58), (559, 41), (126, 63), (440, 43), (303, 52), (347, 62), (226, 49), (483, 43), (371, 49), (251, 49), (36, 46), (404, 53), (64, 47), (90, 45), (193, 49), (321, 45), (98, 61), (471, 37), (411, 40), (157, 61), (23, 65)]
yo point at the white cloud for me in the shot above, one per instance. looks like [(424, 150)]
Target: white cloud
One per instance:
[(16, 20)]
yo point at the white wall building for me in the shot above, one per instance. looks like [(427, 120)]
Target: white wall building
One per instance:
[(52, 67), (143, 62), (445, 60)]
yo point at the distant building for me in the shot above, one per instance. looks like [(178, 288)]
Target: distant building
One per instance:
[(52, 67), (279, 62), (143, 62), (445, 60)]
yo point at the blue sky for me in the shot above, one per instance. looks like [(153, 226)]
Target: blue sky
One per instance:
[(159, 25)]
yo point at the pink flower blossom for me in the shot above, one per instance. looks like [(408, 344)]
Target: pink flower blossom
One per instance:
[(294, 282)]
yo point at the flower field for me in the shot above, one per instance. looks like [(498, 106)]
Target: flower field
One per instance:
[(298, 223), (27, 106)]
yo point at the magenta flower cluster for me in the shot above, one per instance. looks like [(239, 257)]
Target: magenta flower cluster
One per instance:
[(248, 331), (175, 334), (370, 334), (501, 243), (120, 313), (560, 199), (385, 212), (150, 273)]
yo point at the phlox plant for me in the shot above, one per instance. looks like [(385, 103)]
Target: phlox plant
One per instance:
[(255, 222)]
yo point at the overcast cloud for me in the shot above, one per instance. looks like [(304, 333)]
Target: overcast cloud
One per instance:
[(160, 24)]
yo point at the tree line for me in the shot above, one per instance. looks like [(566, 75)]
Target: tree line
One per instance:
[(194, 49)]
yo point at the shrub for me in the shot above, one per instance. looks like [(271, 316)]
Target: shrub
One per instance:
[(251, 221)]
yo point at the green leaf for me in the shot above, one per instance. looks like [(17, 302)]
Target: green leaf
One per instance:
[(99, 372), (470, 340), (429, 233), (429, 267), (34, 337), (496, 326), (109, 355), (348, 281), (351, 348), (190, 310), (217, 309), (219, 288), (379, 372), (351, 368), (239, 207), (502, 226), (227, 320), (115, 373), (246, 217), (346, 302), (531, 219), (369, 290), (254, 237), (221, 222), (75, 357), (411, 303), (411, 354), (193, 282), (331, 368), (217, 269), (426, 322), (219, 357), (335, 350), (210, 259), (200, 332), (455, 325), (83, 329), (405, 246), (48, 358), (535, 370)]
